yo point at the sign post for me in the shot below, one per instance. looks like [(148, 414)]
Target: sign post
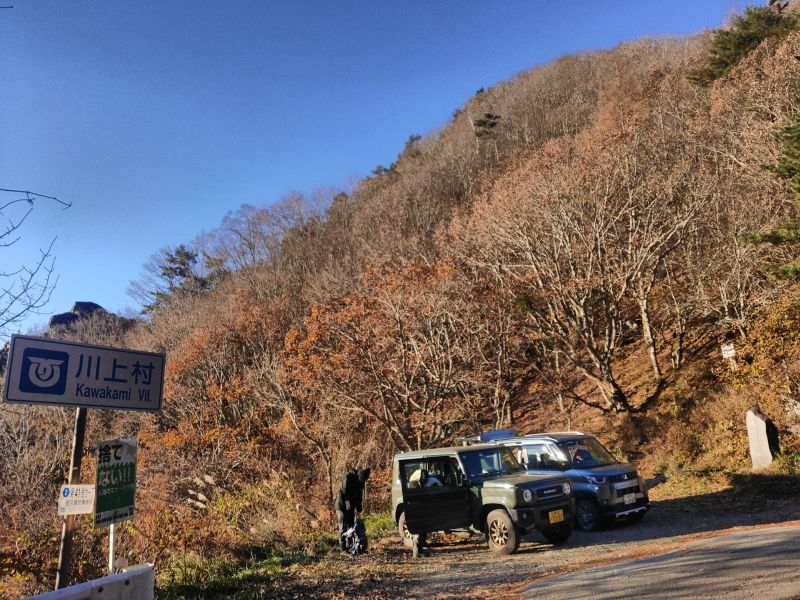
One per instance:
[(729, 353), (42, 371), (68, 526)]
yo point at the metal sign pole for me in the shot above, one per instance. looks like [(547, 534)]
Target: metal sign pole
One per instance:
[(65, 554), (112, 543)]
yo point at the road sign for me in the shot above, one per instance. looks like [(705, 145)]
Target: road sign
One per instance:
[(116, 482), (44, 371), (728, 350), (76, 500)]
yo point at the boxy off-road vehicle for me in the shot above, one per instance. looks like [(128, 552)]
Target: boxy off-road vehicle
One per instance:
[(480, 488)]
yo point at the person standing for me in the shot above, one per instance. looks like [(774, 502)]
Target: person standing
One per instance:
[(349, 500)]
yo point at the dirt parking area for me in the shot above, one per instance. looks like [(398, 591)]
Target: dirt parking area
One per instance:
[(459, 567)]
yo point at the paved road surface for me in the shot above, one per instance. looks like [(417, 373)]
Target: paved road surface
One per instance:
[(761, 564)]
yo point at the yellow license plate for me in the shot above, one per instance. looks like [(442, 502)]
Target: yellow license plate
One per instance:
[(556, 516)]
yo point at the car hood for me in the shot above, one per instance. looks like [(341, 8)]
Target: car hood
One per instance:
[(520, 480), (604, 471)]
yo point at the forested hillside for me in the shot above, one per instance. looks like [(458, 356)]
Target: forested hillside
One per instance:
[(568, 251)]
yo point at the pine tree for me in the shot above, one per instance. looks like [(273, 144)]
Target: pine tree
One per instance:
[(728, 46)]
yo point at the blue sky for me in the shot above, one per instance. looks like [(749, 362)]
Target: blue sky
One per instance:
[(155, 118)]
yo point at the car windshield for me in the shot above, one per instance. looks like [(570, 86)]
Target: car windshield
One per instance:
[(490, 461), (587, 453)]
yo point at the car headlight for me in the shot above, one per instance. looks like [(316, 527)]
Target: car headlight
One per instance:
[(598, 480), (567, 488), (527, 495)]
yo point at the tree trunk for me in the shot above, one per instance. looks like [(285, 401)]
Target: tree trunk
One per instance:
[(649, 338)]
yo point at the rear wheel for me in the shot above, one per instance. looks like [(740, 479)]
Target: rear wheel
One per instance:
[(587, 517), (557, 535), (502, 535)]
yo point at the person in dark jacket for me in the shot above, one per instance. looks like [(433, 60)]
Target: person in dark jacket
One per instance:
[(349, 501)]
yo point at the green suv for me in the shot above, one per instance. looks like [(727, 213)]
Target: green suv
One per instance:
[(479, 488)]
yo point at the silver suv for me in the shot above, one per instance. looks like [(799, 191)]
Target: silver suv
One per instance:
[(604, 488)]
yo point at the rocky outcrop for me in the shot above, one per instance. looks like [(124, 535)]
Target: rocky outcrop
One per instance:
[(80, 310), (64, 325)]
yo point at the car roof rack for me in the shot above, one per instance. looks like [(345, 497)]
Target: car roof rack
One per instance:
[(498, 434), (488, 437), (466, 440)]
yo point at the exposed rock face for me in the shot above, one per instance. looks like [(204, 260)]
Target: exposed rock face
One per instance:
[(80, 310), (62, 325)]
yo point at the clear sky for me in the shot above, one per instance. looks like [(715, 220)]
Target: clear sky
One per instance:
[(156, 117)]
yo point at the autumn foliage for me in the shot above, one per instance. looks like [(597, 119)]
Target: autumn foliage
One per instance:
[(568, 250)]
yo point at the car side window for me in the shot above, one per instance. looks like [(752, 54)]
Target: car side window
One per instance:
[(430, 472), (539, 457), (450, 472), (412, 472)]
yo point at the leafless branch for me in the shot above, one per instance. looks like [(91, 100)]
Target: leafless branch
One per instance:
[(28, 288)]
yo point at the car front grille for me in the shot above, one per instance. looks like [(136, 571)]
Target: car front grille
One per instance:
[(628, 490), (551, 491)]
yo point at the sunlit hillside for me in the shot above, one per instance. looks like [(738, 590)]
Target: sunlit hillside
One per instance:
[(569, 250)]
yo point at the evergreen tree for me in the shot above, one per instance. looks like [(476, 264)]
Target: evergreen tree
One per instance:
[(728, 46), (788, 232)]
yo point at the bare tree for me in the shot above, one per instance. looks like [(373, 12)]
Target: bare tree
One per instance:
[(26, 288)]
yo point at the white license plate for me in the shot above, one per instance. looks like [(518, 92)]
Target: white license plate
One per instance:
[(629, 498)]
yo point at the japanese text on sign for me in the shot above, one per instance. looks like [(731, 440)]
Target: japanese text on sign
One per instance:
[(43, 371), (116, 481), (76, 500)]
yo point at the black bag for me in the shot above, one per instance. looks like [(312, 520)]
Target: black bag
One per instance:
[(355, 538)]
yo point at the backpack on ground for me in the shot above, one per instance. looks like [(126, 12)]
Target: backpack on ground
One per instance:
[(355, 538)]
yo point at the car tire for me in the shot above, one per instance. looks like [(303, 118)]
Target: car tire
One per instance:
[(587, 516), (557, 535), (501, 533), (405, 535)]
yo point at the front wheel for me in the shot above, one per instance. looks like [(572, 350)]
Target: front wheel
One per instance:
[(557, 535), (587, 517), (405, 535), (502, 535)]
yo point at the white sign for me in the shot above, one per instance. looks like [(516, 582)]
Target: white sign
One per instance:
[(43, 371), (728, 351), (116, 482), (76, 500)]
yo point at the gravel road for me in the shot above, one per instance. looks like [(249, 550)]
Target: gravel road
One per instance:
[(467, 570), (463, 567), (754, 563)]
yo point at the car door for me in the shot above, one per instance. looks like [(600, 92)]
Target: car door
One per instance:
[(439, 507)]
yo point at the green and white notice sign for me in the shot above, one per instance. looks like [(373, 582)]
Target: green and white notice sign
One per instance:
[(116, 482)]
